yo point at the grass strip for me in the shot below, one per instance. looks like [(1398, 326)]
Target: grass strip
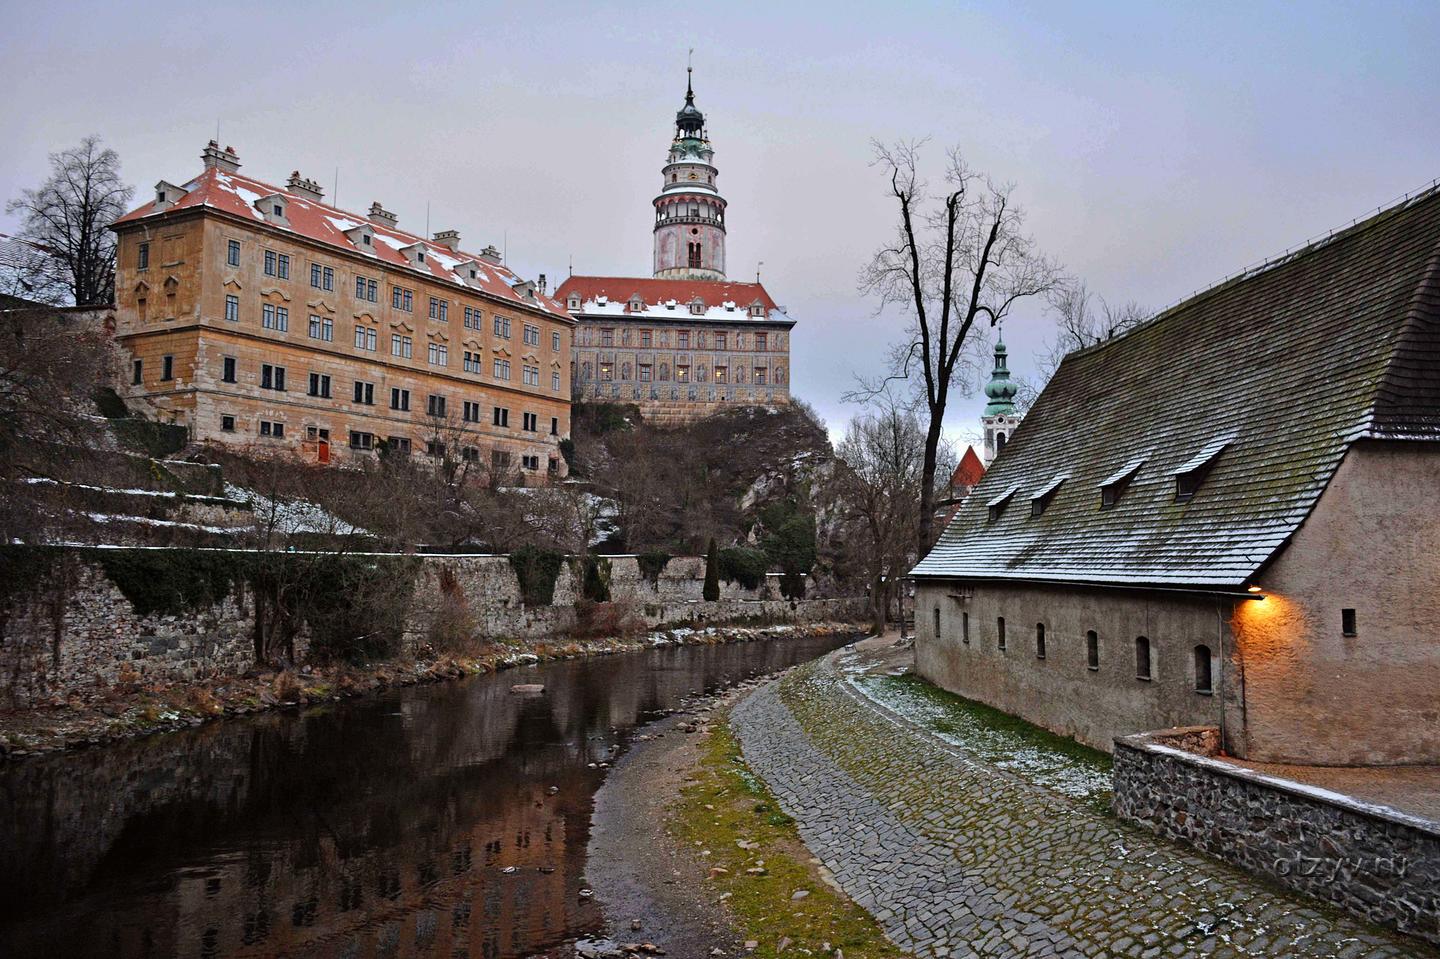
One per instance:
[(729, 812)]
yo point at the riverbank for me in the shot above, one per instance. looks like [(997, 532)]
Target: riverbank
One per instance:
[(964, 832), (124, 711), (723, 871)]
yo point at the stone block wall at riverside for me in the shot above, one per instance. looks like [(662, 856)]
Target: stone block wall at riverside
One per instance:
[(72, 630), (1375, 862)]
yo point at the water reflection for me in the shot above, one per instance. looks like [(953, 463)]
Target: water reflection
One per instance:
[(447, 820)]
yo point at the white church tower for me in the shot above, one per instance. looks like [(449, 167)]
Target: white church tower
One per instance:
[(1000, 418)]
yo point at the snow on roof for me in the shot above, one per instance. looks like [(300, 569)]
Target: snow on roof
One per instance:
[(612, 296), (1207, 453), (237, 194), (1282, 370), (1050, 487), (1009, 492), (1131, 465)]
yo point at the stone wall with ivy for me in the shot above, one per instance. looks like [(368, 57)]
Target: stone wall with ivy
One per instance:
[(73, 620)]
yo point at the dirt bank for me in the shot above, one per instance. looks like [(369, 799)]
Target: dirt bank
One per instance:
[(127, 711)]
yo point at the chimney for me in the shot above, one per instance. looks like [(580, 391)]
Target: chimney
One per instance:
[(449, 239), (309, 189), (490, 254), (378, 214), (542, 284), (216, 158)]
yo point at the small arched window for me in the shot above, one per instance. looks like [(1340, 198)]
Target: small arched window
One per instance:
[(1092, 650), (1142, 658), (999, 442), (1039, 640), (1204, 672), (1000, 631)]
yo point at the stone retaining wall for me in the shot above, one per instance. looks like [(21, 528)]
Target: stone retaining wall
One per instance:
[(73, 630), (1373, 861)]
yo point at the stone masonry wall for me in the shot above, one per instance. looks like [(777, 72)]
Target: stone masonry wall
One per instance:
[(1375, 862), (68, 636)]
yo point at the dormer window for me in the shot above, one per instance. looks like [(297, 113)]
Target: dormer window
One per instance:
[(574, 301), (278, 209), (419, 256), (1191, 474), (1041, 500), (365, 238), (998, 504), (1114, 486), (757, 310)]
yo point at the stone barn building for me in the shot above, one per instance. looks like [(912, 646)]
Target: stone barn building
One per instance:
[(1225, 517)]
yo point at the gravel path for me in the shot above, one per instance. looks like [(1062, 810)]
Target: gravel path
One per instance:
[(958, 858)]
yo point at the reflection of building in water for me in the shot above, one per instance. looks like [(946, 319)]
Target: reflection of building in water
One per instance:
[(438, 892), (379, 828)]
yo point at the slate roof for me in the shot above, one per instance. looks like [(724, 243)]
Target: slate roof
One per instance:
[(1283, 368)]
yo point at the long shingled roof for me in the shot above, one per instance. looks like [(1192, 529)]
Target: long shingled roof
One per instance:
[(1281, 370)]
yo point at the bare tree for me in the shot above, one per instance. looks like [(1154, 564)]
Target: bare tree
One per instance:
[(68, 218), (966, 258), (1081, 319)]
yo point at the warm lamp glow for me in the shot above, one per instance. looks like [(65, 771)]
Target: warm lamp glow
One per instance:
[(1254, 589)]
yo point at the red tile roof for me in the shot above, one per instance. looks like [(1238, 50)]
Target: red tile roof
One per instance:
[(237, 194), (969, 472), (653, 291)]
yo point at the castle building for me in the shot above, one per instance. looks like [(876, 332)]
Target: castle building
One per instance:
[(256, 314), (1225, 517), (686, 341), (1000, 418)]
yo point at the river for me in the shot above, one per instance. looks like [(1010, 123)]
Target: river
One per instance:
[(444, 820)]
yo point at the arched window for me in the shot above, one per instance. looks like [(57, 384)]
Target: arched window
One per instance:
[(999, 442), (674, 177), (1092, 650), (1039, 640), (1142, 658), (1204, 673), (1000, 631), (694, 254)]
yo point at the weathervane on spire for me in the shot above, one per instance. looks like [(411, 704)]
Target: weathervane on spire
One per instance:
[(689, 75)]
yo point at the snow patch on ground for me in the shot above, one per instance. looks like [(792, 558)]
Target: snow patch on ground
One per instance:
[(291, 516), (999, 747)]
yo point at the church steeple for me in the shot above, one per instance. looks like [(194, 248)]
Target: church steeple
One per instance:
[(689, 212), (999, 419)]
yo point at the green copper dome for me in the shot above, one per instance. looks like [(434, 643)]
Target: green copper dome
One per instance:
[(1000, 390)]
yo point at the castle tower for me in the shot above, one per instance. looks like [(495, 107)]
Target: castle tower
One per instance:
[(689, 212), (1000, 418)]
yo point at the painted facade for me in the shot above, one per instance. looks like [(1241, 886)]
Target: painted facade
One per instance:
[(259, 316), (685, 342)]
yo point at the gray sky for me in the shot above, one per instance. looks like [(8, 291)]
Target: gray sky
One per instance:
[(1155, 149)]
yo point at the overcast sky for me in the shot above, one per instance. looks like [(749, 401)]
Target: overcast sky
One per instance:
[(1155, 149)]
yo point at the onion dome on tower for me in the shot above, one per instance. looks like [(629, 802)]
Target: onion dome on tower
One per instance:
[(689, 212), (1000, 418)]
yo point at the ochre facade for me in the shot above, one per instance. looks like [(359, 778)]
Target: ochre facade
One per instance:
[(174, 282)]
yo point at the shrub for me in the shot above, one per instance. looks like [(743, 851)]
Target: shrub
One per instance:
[(536, 569), (452, 626), (652, 564), (606, 620), (789, 542), (739, 564), (594, 575), (171, 581), (711, 592)]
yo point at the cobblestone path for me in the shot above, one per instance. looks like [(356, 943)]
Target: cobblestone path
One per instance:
[(957, 858)]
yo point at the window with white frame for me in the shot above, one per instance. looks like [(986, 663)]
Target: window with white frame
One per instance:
[(320, 385), (529, 422), (470, 411), (322, 328), (232, 308), (530, 375), (275, 318), (232, 253), (401, 345), (366, 289), (439, 354), (471, 362), (555, 342), (532, 335), (500, 416), (399, 399), (365, 337), (502, 326), (439, 309), (555, 382), (272, 377), (502, 369), (364, 393)]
